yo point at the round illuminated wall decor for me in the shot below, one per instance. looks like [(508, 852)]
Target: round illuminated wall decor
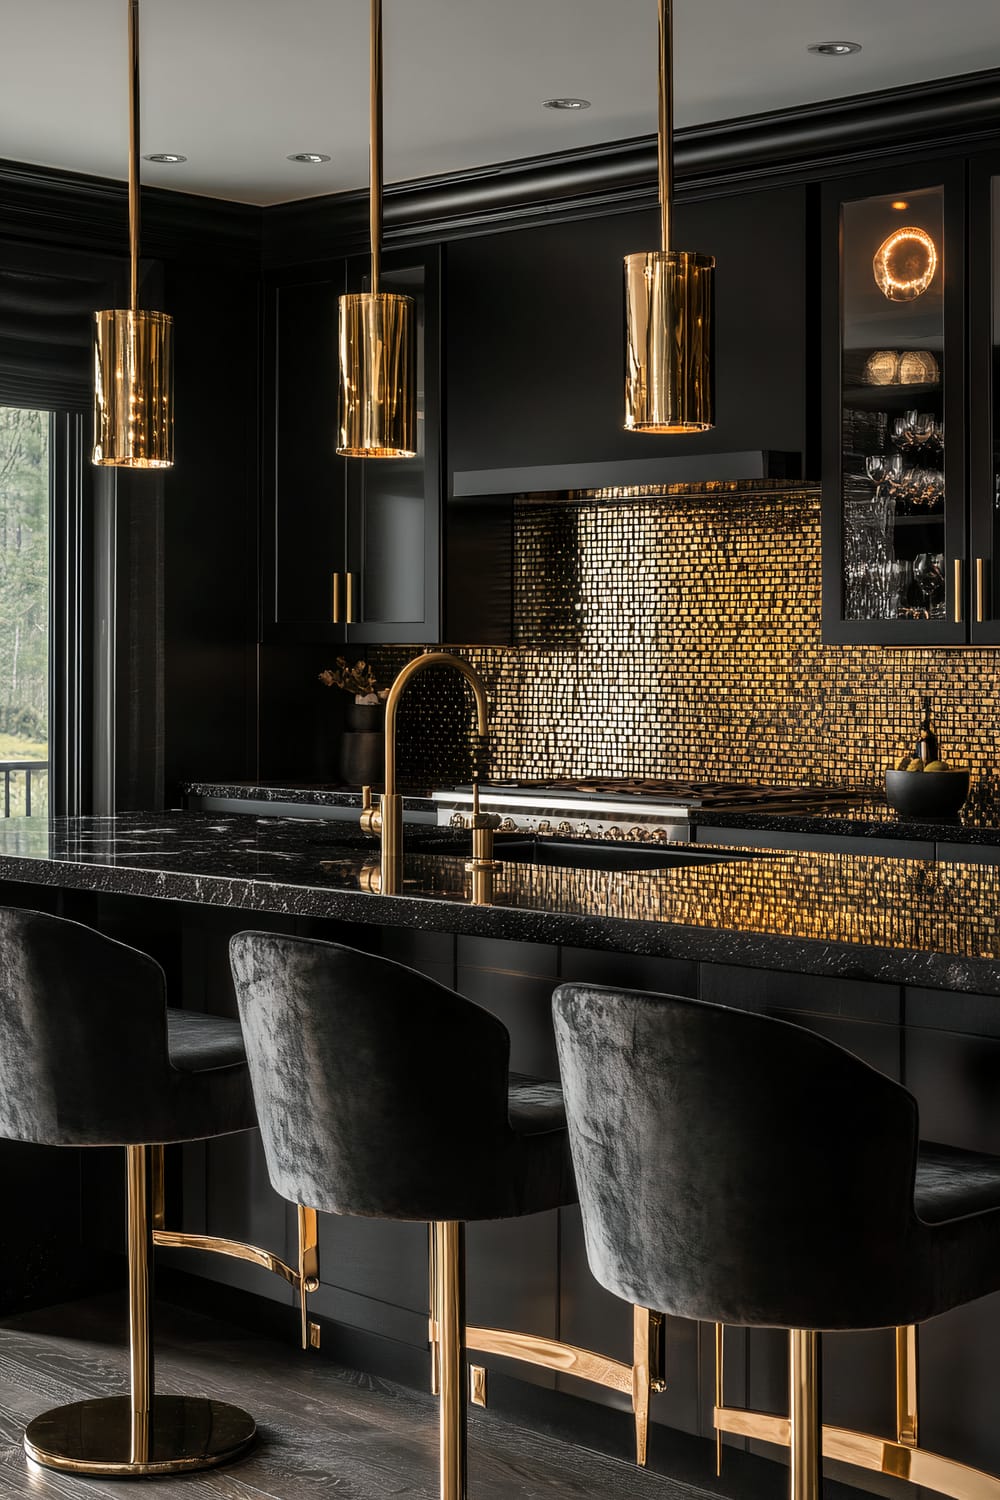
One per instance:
[(905, 264)]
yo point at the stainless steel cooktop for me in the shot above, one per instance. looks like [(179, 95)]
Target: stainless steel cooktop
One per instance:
[(639, 809)]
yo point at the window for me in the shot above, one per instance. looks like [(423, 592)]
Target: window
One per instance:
[(24, 610)]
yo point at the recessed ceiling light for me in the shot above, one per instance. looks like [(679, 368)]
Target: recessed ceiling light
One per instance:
[(312, 157), (900, 204), (565, 103), (171, 157), (834, 49)]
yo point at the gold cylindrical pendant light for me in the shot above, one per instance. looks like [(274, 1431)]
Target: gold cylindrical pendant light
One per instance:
[(669, 303), (133, 347), (377, 339)]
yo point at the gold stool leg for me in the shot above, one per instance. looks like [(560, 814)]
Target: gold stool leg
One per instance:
[(140, 1275), (158, 1171), (720, 1370), (805, 1423), (434, 1316), (308, 1263), (647, 1372), (141, 1433), (449, 1255), (907, 1425)]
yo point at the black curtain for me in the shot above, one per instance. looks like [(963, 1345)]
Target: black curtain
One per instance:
[(47, 302)]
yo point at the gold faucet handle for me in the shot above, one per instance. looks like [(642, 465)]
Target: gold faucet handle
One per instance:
[(480, 819), (371, 816)]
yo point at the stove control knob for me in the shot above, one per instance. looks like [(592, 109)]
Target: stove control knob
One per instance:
[(636, 834), (544, 826), (508, 826), (583, 830), (660, 835), (613, 833), (565, 828)]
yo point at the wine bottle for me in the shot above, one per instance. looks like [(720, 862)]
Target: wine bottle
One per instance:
[(926, 747)]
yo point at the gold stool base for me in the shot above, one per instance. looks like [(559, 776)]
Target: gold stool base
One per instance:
[(95, 1437)]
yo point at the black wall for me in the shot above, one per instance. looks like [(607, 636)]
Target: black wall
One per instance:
[(535, 340)]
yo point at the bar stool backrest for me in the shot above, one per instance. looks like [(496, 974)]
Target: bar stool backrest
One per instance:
[(731, 1166), (83, 1034), (379, 1092)]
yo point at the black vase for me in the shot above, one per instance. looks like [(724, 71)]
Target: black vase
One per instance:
[(362, 744)]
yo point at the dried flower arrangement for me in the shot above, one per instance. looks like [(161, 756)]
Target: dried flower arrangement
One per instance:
[(358, 679)]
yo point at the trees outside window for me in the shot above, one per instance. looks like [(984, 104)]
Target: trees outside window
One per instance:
[(24, 604)]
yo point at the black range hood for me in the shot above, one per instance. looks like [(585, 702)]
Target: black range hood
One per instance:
[(690, 468)]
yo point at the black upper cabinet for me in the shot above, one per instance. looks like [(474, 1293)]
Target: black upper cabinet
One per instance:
[(305, 524), (535, 342), (352, 545), (895, 502), (911, 484)]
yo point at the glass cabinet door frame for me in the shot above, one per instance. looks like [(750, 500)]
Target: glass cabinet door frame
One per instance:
[(907, 177), (426, 559), (984, 398)]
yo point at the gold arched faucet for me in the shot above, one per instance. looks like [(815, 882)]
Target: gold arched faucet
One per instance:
[(386, 821)]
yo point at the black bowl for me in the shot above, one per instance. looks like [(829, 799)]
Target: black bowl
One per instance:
[(926, 794)]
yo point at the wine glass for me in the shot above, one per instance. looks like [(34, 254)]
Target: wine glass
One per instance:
[(928, 575)]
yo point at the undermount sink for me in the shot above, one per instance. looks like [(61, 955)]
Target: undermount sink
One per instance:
[(576, 854)]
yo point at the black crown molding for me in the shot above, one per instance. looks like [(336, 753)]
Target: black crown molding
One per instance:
[(43, 206), (944, 116)]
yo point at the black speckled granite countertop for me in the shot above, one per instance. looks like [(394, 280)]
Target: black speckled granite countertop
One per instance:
[(868, 818), (857, 916), (299, 793)]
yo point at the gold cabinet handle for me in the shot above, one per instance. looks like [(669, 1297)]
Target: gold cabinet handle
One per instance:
[(980, 589), (335, 610), (958, 591), (350, 598)]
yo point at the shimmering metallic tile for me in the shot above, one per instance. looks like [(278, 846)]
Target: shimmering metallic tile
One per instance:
[(678, 635)]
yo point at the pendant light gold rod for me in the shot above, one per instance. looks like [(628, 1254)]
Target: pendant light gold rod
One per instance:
[(133, 152), (665, 119), (375, 140)]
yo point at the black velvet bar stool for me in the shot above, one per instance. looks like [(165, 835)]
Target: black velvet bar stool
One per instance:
[(740, 1169), (92, 1056), (382, 1093)]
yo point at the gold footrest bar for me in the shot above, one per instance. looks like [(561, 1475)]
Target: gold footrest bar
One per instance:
[(865, 1451), (550, 1354), (178, 1240)]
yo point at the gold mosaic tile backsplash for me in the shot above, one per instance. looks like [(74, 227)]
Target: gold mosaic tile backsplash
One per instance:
[(682, 639)]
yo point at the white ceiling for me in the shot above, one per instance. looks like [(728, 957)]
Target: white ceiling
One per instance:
[(236, 85)]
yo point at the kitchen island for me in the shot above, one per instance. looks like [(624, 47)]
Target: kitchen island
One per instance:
[(897, 958)]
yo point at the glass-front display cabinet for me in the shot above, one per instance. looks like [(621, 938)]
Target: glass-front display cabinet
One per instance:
[(894, 535)]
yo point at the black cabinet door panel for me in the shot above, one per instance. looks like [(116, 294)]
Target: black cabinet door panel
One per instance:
[(304, 529)]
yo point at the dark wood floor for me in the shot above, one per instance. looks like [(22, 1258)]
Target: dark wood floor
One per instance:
[(324, 1431)]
